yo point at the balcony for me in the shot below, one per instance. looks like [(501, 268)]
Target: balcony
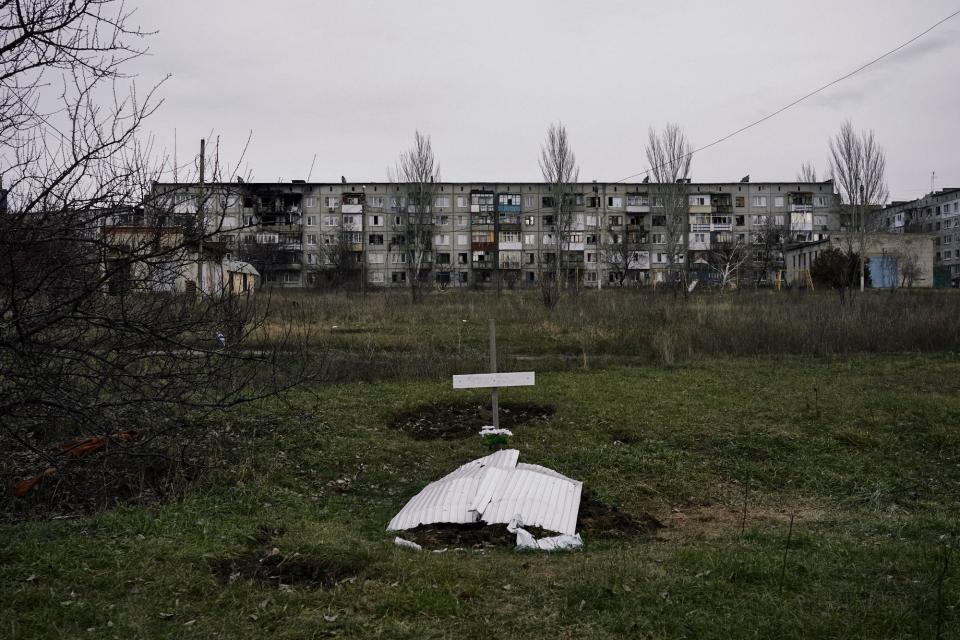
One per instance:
[(282, 228), (700, 208), (508, 208), (509, 221), (574, 246), (801, 208), (509, 264), (351, 208), (483, 246), (638, 208), (510, 246), (481, 208), (723, 209)]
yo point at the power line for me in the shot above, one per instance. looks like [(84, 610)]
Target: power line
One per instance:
[(807, 96)]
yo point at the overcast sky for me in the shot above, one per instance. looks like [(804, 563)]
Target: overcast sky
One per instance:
[(351, 80)]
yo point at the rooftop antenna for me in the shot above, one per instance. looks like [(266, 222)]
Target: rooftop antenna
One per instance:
[(310, 173), (933, 182)]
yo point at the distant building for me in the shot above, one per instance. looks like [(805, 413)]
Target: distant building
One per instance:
[(937, 213), (895, 259), (298, 234)]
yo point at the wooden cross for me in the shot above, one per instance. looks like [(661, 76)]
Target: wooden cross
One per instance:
[(494, 380)]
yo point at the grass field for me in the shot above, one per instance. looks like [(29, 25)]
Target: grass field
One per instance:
[(862, 452)]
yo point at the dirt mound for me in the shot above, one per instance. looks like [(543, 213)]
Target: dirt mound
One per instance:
[(277, 569), (456, 420), (595, 520), (607, 521), (478, 535), (271, 567)]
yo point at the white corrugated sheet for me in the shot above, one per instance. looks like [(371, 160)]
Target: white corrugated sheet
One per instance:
[(496, 489)]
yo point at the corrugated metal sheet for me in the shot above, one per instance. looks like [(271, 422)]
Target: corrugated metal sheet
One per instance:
[(496, 489)]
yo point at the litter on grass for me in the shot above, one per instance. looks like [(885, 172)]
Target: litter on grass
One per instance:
[(497, 489), (490, 430)]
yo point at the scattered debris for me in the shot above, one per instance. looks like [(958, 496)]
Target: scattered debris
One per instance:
[(490, 430), (497, 489), (456, 420), (551, 543), (400, 542)]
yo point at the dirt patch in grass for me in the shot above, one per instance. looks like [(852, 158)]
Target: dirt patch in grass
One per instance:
[(456, 420), (597, 519), (267, 565), (287, 570)]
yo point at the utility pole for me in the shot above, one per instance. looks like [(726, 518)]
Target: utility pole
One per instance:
[(200, 214), (863, 241)]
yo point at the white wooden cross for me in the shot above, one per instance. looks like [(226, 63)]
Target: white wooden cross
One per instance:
[(494, 380)]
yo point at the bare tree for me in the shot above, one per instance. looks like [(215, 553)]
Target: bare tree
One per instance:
[(770, 239), (417, 173), (728, 255), (622, 253), (94, 336), (807, 173), (669, 154), (558, 165), (858, 169)]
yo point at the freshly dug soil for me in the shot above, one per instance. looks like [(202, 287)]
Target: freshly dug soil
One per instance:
[(262, 564), (595, 520), (452, 421), (600, 520), (277, 569)]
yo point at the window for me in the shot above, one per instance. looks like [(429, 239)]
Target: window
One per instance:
[(462, 258), (778, 220), (441, 239), (398, 258), (778, 201), (740, 201), (509, 236), (375, 201), (442, 220), (291, 276), (820, 201), (349, 221), (591, 221), (376, 238), (740, 221), (398, 276), (659, 221), (375, 221), (759, 201), (614, 201), (637, 201), (461, 220), (443, 258), (509, 199), (442, 201), (656, 238), (330, 201), (529, 238), (267, 238), (376, 258), (593, 202), (331, 221), (461, 202), (310, 203), (376, 277), (698, 201), (463, 240), (591, 256), (546, 201), (548, 220), (531, 258), (311, 238), (311, 258), (528, 202), (529, 221), (700, 238), (311, 221)]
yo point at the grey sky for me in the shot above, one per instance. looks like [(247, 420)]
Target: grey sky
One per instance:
[(350, 81)]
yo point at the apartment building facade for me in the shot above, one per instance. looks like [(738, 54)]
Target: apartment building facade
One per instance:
[(936, 213), (482, 233)]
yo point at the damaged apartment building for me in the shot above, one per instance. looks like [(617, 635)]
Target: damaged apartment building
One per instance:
[(936, 214), (301, 234)]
